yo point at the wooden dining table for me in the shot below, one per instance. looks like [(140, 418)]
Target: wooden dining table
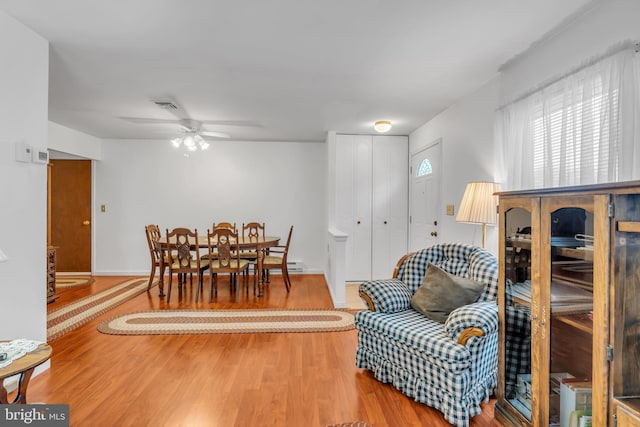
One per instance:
[(244, 243)]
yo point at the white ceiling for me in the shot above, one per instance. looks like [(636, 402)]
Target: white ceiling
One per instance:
[(296, 67)]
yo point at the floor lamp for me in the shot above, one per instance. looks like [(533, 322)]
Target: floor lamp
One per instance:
[(479, 206)]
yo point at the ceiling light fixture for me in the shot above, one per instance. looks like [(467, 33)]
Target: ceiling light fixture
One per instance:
[(382, 126), (191, 141)]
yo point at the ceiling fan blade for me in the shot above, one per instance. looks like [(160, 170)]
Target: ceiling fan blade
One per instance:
[(245, 123), (215, 134), (145, 120)]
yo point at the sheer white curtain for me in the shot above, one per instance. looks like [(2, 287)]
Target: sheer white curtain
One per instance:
[(581, 129)]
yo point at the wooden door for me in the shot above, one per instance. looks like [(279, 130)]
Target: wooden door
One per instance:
[(71, 214), (425, 197), (390, 188)]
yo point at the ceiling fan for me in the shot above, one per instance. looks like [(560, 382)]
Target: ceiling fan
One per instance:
[(191, 135)]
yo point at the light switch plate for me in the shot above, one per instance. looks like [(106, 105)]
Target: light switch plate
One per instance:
[(450, 210)]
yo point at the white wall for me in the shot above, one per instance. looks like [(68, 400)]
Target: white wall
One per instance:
[(23, 190), (143, 182), (466, 129), (70, 141)]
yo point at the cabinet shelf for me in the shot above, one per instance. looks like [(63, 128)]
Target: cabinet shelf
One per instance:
[(580, 321), (584, 254)]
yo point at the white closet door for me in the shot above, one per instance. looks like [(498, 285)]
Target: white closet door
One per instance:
[(353, 202), (390, 203)]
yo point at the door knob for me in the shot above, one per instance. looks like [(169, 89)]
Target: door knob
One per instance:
[(86, 222), (435, 222), (434, 233)]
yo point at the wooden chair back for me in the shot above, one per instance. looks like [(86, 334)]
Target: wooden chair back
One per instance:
[(221, 244), (253, 230), (183, 250), (225, 224), (153, 235)]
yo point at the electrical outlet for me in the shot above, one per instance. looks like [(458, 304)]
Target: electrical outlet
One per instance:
[(450, 209)]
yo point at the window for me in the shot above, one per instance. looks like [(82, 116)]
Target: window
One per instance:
[(573, 133), (425, 168), (580, 129)]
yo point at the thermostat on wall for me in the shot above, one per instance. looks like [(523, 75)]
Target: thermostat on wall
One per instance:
[(40, 156), (23, 152)]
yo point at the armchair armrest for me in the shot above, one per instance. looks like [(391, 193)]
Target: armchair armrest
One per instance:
[(477, 319), (386, 296)]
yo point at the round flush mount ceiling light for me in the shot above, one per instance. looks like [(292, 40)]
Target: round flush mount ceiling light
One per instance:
[(382, 126)]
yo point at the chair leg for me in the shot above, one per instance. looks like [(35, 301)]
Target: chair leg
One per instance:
[(255, 282), (151, 276), (285, 277), (199, 286), (213, 280), (169, 286)]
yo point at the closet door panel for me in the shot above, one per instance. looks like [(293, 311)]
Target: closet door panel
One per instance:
[(390, 185), (353, 205)]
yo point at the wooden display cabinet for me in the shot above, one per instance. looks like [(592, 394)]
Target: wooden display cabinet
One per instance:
[(579, 297)]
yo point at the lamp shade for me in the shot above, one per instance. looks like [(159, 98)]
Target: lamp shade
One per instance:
[(3, 257), (478, 204)]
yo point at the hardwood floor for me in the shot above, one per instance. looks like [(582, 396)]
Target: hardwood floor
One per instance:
[(297, 379)]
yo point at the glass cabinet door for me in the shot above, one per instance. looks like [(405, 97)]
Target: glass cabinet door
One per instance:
[(563, 325), (625, 374), (516, 246)]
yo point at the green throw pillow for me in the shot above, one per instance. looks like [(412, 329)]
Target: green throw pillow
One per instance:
[(441, 293)]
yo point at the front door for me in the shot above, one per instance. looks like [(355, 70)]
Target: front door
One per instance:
[(425, 197), (71, 214)]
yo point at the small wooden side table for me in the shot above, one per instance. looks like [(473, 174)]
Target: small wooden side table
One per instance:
[(23, 366)]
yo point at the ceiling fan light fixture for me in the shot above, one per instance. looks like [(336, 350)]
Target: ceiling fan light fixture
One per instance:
[(191, 141), (382, 126), (188, 141)]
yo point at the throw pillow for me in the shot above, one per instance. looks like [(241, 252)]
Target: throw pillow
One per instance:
[(441, 293)]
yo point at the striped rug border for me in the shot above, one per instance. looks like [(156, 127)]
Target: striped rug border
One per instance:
[(76, 314), (180, 322), (65, 282)]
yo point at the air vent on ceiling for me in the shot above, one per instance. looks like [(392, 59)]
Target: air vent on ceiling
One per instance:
[(166, 105)]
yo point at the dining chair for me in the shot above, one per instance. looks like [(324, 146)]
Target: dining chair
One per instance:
[(153, 235), (224, 258), (277, 259), (251, 231), (184, 256), (224, 224)]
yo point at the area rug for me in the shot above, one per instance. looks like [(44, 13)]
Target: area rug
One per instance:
[(71, 316), (72, 281), (163, 322)]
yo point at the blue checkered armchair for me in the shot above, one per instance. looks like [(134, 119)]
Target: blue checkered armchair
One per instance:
[(452, 366)]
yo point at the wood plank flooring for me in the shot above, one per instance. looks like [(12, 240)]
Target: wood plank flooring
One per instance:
[(298, 379)]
